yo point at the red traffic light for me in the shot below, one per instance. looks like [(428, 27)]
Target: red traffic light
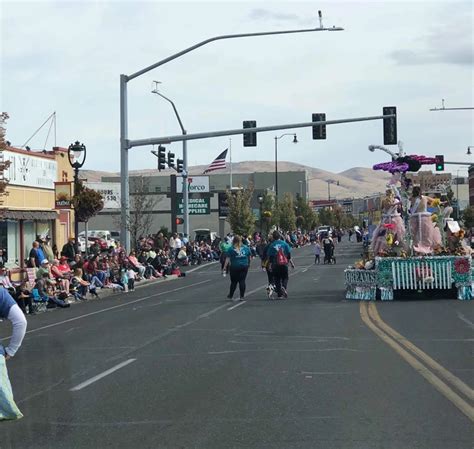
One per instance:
[(179, 221)]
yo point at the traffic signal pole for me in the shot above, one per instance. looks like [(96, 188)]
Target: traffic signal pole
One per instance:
[(125, 143), (231, 132)]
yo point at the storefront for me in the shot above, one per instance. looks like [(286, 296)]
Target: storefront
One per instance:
[(28, 211)]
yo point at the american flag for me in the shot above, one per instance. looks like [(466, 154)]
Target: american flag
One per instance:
[(218, 163)]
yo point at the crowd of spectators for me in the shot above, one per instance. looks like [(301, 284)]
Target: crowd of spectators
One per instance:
[(57, 278)]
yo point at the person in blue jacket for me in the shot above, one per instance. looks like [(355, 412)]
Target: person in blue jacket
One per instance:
[(9, 310), (279, 255), (238, 257)]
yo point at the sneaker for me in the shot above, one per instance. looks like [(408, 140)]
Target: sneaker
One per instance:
[(229, 297), (284, 292)]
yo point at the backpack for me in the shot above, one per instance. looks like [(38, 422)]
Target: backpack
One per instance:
[(281, 258)]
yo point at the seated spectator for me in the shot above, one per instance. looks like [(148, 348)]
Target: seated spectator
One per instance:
[(46, 293), (91, 270), (57, 274), (19, 293), (64, 268), (182, 256), (136, 265)]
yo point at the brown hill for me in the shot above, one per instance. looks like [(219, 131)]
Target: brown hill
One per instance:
[(353, 183)]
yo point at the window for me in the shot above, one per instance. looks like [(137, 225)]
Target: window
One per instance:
[(9, 243)]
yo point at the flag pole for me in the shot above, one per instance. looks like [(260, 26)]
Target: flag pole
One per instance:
[(230, 160)]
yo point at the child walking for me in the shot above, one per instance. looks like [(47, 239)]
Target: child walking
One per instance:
[(317, 252)]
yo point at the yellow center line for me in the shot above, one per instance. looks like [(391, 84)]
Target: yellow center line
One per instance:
[(434, 380), (440, 370)]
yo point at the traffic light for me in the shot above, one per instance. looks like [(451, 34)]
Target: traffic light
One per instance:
[(439, 162), (319, 131), (179, 220), (390, 126), (179, 165), (170, 160), (161, 158), (250, 139)]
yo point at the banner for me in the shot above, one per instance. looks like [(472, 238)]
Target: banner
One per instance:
[(110, 192), (62, 195)]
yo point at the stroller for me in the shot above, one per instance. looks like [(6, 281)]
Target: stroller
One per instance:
[(329, 253)]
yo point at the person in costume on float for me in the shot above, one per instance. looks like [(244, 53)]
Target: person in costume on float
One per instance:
[(390, 215), (425, 237)]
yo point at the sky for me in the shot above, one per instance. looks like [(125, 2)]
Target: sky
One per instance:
[(68, 56)]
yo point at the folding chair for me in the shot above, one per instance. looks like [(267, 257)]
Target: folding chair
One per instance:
[(39, 303)]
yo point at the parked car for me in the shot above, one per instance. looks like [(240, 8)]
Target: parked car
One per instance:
[(205, 235), (103, 234), (91, 240)]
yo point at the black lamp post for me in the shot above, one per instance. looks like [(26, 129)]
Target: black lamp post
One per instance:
[(77, 157), (260, 202)]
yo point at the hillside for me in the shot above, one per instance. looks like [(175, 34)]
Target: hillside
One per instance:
[(355, 182)]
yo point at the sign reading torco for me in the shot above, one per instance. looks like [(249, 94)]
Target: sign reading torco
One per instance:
[(196, 184)]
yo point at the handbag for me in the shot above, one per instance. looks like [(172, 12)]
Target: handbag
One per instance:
[(8, 408)]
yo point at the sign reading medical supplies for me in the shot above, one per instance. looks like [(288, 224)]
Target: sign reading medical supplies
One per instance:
[(196, 184), (197, 206)]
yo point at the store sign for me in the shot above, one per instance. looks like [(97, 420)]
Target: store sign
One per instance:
[(110, 192), (30, 171), (62, 195), (197, 206), (196, 184)]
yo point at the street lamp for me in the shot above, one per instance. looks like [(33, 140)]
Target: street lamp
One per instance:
[(260, 202), (77, 157), (184, 173), (331, 181), (295, 140)]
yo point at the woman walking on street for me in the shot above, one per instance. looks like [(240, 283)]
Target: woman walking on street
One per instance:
[(9, 310), (238, 257)]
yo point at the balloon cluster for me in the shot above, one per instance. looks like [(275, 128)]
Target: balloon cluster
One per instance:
[(411, 163)]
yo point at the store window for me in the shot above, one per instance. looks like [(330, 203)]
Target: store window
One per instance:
[(10, 243), (29, 233)]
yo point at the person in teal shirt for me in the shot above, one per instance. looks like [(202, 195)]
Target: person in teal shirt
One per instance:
[(238, 258), (224, 246), (277, 251)]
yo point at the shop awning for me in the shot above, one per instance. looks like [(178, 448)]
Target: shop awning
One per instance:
[(7, 214)]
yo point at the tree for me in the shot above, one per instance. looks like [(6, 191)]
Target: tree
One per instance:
[(86, 202), (241, 217), (326, 217), (270, 213), (287, 213), (142, 206), (306, 219), (468, 217), (3, 164)]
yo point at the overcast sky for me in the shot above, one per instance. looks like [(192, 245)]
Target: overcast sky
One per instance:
[(67, 57)]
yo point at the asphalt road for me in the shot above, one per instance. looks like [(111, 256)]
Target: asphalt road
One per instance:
[(176, 366)]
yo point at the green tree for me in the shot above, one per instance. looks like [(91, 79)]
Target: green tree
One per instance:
[(306, 217), (241, 217), (286, 212), (468, 217), (326, 217), (86, 202), (5, 164), (270, 213)]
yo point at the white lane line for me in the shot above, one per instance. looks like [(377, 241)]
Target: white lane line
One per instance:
[(101, 375), (463, 318), (200, 266), (112, 308)]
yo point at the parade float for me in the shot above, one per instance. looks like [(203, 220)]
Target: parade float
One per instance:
[(417, 246)]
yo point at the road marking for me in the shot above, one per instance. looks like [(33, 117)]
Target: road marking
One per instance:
[(442, 387), (101, 375), (200, 266), (440, 370), (463, 318), (111, 308)]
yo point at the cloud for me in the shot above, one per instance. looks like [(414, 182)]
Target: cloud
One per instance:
[(266, 14), (449, 43)]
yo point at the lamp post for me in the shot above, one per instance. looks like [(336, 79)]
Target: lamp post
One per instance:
[(330, 181), (260, 202), (295, 140), (184, 173), (77, 157)]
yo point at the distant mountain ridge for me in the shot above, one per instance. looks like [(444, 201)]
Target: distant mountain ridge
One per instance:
[(353, 183)]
